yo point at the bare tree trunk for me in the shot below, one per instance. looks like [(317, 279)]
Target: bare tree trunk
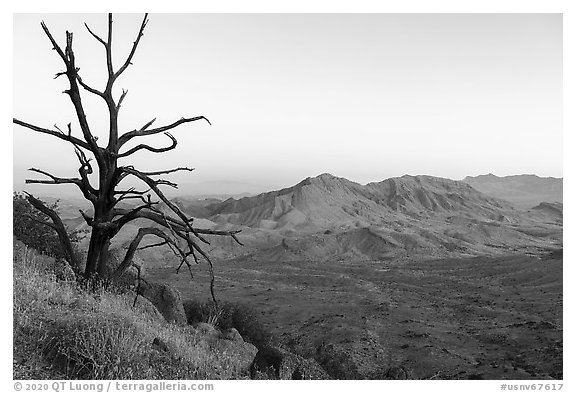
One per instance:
[(58, 226), (108, 217), (94, 253)]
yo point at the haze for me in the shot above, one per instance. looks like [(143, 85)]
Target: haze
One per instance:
[(362, 96)]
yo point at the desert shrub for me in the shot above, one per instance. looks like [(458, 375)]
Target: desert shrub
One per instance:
[(230, 315), (32, 227), (92, 347), (64, 331)]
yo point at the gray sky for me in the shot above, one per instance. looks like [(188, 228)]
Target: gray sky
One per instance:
[(362, 96)]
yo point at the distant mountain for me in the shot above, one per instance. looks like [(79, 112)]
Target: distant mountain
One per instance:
[(331, 218), (524, 191), (218, 189), (327, 201)]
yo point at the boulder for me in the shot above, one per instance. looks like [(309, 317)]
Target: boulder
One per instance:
[(398, 372), (231, 334), (160, 345), (363, 359), (166, 299), (277, 363), (241, 353), (129, 278), (360, 359), (146, 307)]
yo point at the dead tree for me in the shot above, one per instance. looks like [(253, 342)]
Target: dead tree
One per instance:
[(175, 230)]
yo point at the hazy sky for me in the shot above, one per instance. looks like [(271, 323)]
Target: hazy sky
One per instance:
[(362, 96)]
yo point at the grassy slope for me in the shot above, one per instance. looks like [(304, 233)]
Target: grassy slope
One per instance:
[(61, 331)]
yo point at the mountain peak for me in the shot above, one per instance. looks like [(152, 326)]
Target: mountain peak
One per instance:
[(326, 176)]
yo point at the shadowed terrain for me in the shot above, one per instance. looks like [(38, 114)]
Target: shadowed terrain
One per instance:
[(484, 317)]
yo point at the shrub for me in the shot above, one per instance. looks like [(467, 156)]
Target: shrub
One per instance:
[(32, 227), (95, 348), (228, 315), (63, 331)]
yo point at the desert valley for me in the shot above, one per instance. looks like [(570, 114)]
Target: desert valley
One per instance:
[(441, 279)]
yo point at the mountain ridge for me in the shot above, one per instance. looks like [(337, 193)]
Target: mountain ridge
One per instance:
[(523, 191), (326, 198), (328, 217)]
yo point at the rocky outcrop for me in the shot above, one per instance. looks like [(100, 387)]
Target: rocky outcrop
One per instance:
[(147, 308), (363, 359), (231, 334), (277, 363), (242, 352), (166, 299)]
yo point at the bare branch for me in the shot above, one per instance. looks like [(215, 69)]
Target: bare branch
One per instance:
[(88, 88), (144, 130), (84, 187), (84, 170), (31, 217), (95, 36), (155, 216), (54, 44), (124, 92), (109, 55), (194, 246), (60, 229), (175, 224), (71, 72), (131, 215), (232, 234), (55, 180), (139, 279), (129, 59), (153, 245), (153, 185), (150, 148), (165, 172), (136, 242), (89, 220), (64, 137)]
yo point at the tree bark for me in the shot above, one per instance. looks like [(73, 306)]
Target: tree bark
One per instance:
[(65, 242)]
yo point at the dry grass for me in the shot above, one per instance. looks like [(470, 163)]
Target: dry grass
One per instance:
[(77, 334)]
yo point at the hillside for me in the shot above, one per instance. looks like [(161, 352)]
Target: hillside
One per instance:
[(64, 331), (327, 201), (327, 217), (524, 191)]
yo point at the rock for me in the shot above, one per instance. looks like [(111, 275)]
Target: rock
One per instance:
[(231, 334), (129, 278), (145, 306), (277, 363), (159, 345), (362, 359), (206, 329), (397, 373), (242, 353), (166, 299)]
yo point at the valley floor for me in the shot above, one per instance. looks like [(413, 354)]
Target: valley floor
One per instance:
[(474, 318)]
